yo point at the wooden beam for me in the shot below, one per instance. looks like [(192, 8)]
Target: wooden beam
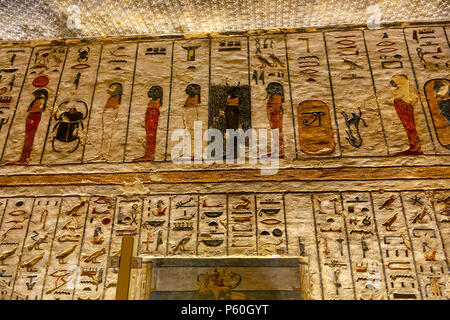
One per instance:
[(123, 281)]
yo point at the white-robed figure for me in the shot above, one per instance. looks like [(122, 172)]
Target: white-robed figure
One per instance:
[(109, 117), (190, 108)]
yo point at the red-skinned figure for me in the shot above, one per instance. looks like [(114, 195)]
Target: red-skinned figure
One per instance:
[(405, 110), (275, 94), (37, 106), (155, 93)]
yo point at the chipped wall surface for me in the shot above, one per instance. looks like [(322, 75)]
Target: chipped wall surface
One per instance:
[(362, 191)]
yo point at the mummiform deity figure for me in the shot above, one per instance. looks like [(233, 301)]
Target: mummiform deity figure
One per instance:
[(109, 117), (275, 96), (37, 106), (403, 104), (155, 94), (190, 107)]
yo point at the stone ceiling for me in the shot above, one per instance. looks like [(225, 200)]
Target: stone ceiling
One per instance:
[(39, 19)]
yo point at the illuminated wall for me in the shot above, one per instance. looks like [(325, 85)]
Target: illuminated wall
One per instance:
[(362, 190)]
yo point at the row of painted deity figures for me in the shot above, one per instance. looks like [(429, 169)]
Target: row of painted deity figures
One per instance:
[(232, 104)]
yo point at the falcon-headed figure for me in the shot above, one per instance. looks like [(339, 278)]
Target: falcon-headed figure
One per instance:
[(405, 110)]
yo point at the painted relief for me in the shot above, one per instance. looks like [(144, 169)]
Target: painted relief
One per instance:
[(155, 95), (314, 115), (332, 245), (270, 90), (429, 253), (121, 102), (14, 67), (183, 225), (441, 205), (395, 243), (155, 221), (354, 94), (404, 121), (35, 108), (69, 124), (146, 138), (94, 249), (212, 226), (191, 105), (429, 52), (189, 97), (16, 216), (363, 245), (109, 117), (229, 108), (221, 279), (315, 129), (271, 225), (275, 99), (229, 105), (126, 221), (368, 275), (66, 136), (405, 111), (361, 193), (242, 224), (437, 93), (64, 256), (36, 253), (106, 130)]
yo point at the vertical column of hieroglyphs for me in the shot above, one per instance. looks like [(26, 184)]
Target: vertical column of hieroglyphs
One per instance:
[(35, 107), (154, 227), (271, 225), (332, 242), (13, 68), (397, 251), (367, 264), (242, 227), (4, 278), (314, 116), (12, 233), (270, 92), (426, 240), (35, 256), (183, 225), (107, 125), (126, 222), (147, 129), (300, 227), (430, 55), (360, 126), (447, 34), (441, 206), (212, 226), (94, 249), (229, 91), (404, 122), (67, 132), (189, 94), (63, 267)]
